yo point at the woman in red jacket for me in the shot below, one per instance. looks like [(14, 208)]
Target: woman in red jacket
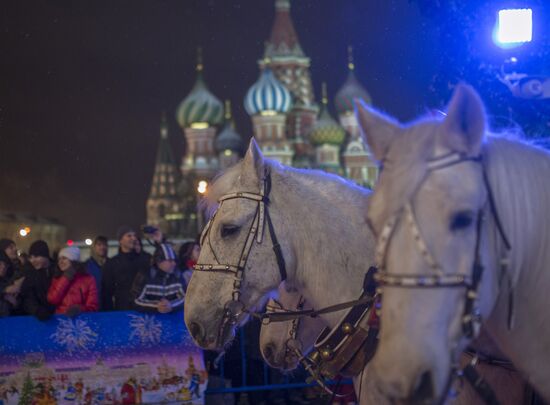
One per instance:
[(72, 290)]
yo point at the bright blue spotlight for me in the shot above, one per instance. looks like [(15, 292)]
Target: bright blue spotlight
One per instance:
[(515, 26)]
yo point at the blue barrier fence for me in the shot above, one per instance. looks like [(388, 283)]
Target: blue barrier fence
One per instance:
[(125, 357)]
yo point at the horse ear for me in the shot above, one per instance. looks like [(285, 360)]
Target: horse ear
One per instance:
[(465, 123), (377, 129), (254, 159)]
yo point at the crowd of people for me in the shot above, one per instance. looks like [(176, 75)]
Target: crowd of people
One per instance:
[(35, 283)]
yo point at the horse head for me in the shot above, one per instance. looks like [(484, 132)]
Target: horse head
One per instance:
[(238, 266), (428, 212)]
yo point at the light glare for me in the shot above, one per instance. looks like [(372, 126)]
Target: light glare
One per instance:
[(202, 187), (515, 26)]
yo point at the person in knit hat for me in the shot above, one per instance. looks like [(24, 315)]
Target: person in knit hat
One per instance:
[(162, 287), (98, 258), (119, 272), (38, 276), (72, 290)]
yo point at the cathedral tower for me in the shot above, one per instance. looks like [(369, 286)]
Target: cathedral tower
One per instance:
[(284, 55), (162, 204), (358, 163)]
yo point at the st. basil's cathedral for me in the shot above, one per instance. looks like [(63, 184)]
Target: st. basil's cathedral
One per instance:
[(288, 124)]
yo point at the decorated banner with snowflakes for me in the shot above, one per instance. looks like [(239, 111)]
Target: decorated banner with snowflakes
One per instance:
[(100, 358)]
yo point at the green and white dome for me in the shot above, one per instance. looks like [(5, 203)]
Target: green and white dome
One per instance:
[(200, 107), (326, 130)]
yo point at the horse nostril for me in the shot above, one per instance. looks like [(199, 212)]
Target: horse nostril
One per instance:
[(424, 389), (268, 352), (197, 332)]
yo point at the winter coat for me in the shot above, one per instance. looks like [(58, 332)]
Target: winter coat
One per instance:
[(118, 275), (153, 285), (34, 292), (73, 289), (96, 270)]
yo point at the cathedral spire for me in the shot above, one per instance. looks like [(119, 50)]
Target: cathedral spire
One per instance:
[(200, 65), (283, 40), (351, 65)]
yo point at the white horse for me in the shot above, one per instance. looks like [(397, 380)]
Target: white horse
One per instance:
[(448, 203), (310, 211), (319, 221), (278, 340)]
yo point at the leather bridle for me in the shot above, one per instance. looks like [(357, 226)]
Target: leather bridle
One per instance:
[(234, 307), (471, 318)]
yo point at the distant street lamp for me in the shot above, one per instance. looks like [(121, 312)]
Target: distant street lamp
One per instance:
[(88, 242), (23, 232), (201, 188)]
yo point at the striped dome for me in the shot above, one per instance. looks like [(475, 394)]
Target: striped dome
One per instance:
[(267, 94), (326, 130), (199, 106), (351, 90)]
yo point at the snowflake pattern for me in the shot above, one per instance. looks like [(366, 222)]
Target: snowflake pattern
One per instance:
[(74, 335), (145, 328)]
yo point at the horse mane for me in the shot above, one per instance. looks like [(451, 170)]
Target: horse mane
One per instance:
[(225, 182), (518, 173)]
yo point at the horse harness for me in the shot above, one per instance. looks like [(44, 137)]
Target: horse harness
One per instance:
[(234, 307), (338, 347), (348, 347), (471, 318)]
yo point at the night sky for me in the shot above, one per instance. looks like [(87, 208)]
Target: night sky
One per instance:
[(84, 84)]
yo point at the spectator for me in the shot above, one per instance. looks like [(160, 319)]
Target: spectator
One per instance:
[(97, 260), (9, 287), (10, 249), (72, 289), (138, 247), (162, 287), (38, 277), (119, 273), (188, 256)]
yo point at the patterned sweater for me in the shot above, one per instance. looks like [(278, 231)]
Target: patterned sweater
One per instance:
[(152, 286)]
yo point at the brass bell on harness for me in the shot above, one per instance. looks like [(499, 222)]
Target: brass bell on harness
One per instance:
[(314, 356), (347, 328), (326, 353)]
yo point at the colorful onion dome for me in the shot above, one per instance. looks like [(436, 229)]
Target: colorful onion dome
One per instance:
[(267, 95), (326, 129), (228, 137), (351, 90), (200, 106)]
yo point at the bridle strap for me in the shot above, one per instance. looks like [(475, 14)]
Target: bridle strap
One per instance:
[(235, 307), (290, 315), (423, 281)]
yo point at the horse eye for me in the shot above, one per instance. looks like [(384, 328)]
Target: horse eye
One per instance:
[(462, 220), (228, 230)]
